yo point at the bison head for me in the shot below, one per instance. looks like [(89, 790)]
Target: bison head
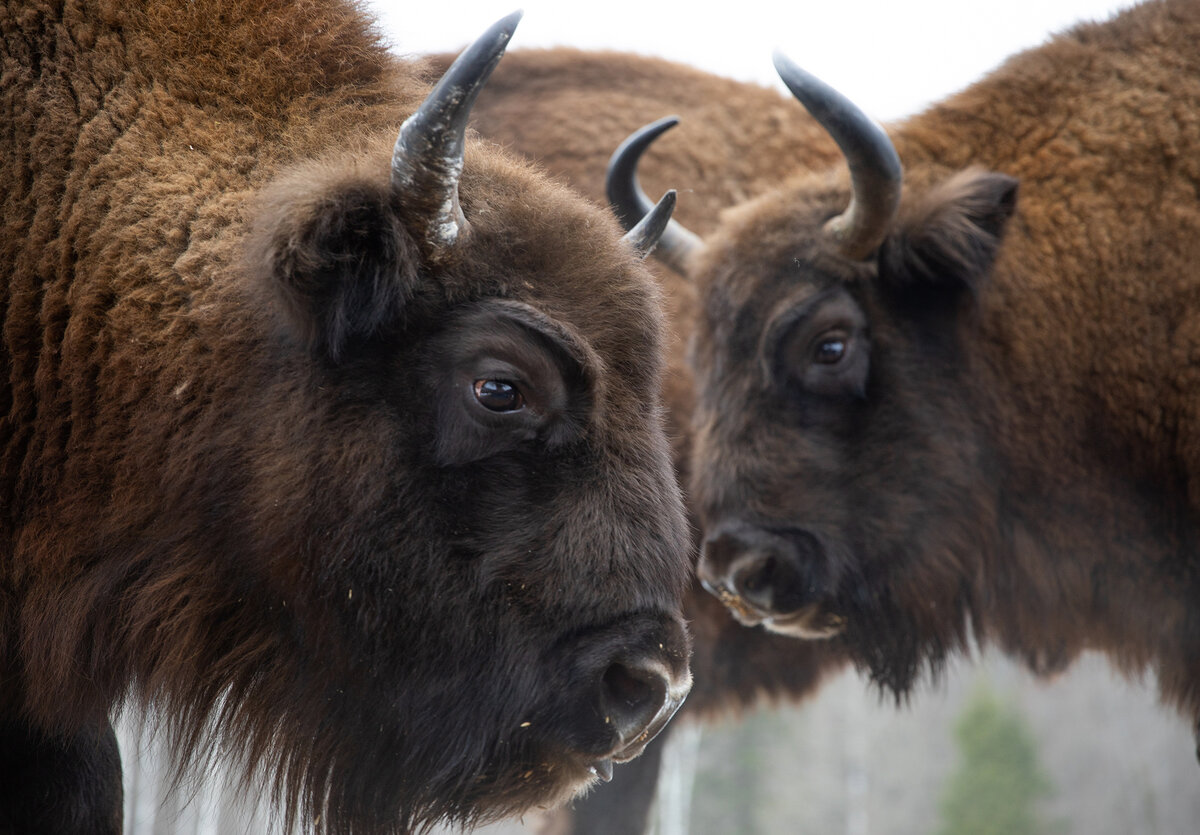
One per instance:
[(488, 532), (840, 469)]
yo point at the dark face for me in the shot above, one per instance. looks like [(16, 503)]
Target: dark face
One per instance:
[(838, 470), (489, 551)]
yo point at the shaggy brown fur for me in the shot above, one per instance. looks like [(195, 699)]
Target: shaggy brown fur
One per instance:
[(243, 473), (1011, 440), (569, 109)]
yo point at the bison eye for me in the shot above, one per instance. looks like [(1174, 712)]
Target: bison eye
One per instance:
[(830, 350), (818, 344), (499, 396)]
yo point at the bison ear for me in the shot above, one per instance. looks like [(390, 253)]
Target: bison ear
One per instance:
[(949, 237), (335, 257)]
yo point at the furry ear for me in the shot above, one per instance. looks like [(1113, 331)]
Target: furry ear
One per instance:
[(949, 237), (335, 256)]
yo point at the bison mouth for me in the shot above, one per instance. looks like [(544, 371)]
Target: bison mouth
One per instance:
[(815, 621), (602, 769), (812, 622), (554, 766), (631, 743), (626, 683)]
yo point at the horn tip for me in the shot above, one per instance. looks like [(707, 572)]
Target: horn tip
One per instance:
[(509, 22), (657, 128), (647, 232), (780, 60), (795, 77), (500, 33)]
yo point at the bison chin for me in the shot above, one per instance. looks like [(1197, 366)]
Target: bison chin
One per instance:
[(502, 726), (893, 647)]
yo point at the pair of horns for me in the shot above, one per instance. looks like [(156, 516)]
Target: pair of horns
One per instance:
[(875, 172), (427, 161)]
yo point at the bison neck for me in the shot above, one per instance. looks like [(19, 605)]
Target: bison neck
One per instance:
[(1099, 564), (1084, 353), (1097, 545)]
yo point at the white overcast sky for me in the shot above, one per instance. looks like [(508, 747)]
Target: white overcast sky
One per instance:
[(890, 56)]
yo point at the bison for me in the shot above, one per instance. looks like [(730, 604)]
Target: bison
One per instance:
[(341, 450), (732, 139), (931, 410)]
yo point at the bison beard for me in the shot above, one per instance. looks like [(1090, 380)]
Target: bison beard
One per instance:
[(343, 452)]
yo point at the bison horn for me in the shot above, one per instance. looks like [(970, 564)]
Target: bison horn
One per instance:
[(875, 172), (632, 206), (648, 231), (428, 158)]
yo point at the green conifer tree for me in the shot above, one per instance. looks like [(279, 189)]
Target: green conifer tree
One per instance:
[(997, 789)]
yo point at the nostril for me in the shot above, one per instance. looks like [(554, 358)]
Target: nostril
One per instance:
[(631, 696), (756, 580)]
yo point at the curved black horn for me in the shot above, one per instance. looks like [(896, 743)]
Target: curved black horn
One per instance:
[(875, 172), (648, 231), (428, 158), (630, 203)]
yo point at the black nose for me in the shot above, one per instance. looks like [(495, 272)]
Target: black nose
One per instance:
[(635, 676), (633, 692), (774, 573)]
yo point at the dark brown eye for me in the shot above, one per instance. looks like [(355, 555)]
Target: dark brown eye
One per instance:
[(830, 350), (499, 396)]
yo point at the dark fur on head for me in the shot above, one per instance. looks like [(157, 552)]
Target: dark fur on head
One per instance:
[(795, 440)]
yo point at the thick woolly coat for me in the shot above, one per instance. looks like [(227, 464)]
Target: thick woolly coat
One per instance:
[(236, 479)]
